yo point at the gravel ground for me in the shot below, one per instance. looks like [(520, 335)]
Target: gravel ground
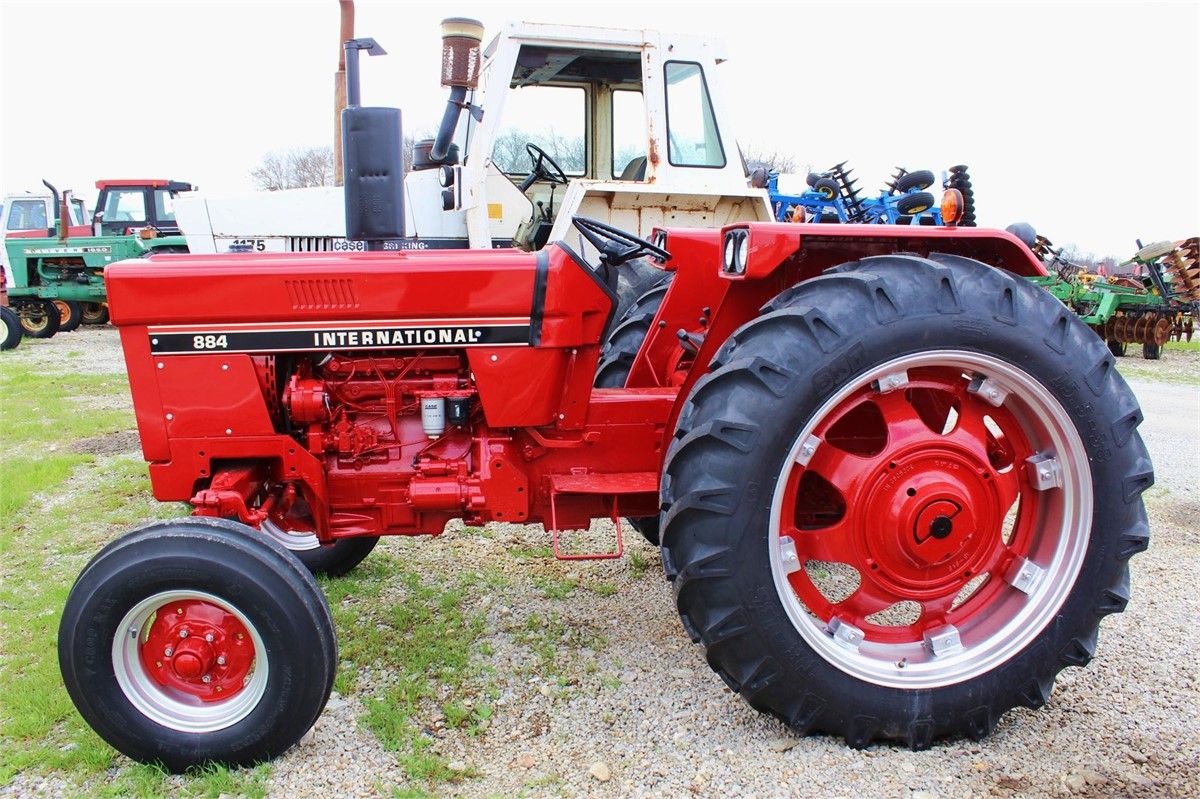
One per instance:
[(644, 716)]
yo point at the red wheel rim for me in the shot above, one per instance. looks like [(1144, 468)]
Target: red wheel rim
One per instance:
[(922, 478)]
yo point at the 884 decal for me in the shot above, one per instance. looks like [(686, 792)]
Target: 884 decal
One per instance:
[(210, 342)]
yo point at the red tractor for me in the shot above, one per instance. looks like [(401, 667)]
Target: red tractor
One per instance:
[(894, 403)]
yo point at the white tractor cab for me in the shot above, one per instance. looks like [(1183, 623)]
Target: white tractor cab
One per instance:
[(30, 211), (630, 127)]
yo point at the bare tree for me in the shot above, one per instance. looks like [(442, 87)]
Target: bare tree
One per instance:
[(773, 160), (297, 168), (304, 167)]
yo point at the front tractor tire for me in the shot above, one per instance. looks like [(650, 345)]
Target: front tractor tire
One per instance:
[(39, 318), (196, 641), (70, 315), (903, 500), (95, 313)]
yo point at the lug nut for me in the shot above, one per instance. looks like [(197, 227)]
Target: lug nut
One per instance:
[(209, 637), (220, 660), (206, 678), (168, 652), (183, 633)]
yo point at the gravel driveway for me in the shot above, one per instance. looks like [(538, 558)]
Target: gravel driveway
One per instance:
[(644, 716)]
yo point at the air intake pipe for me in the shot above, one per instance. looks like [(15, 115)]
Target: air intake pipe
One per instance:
[(461, 39)]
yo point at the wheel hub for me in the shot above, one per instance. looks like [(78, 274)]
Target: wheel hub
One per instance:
[(198, 648), (930, 520)]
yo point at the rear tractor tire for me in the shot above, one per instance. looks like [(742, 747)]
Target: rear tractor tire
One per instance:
[(39, 318), (903, 500), (95, 313), (70, 315), (10, 328), (196, 641)]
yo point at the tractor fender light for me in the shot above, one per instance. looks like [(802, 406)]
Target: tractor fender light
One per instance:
[(736, 252), (952, 206)]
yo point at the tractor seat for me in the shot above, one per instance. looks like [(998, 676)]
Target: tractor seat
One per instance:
[(635, 169)]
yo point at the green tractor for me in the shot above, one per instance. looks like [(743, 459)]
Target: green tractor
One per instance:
[(57, 273)]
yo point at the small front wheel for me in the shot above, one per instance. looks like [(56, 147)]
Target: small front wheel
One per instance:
[(95, 313), (195, 641), (70, 315), (39, 318)]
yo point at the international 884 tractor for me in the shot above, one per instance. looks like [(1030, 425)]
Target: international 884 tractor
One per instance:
[(894, 403)]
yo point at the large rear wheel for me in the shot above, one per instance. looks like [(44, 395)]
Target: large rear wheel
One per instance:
[(195, 641), (903, 500)]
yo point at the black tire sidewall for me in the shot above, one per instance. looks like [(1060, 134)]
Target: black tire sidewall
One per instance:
[(338, 558), (12, 332)]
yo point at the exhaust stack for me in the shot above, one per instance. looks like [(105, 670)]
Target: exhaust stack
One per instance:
[(373, 161), (461, 40)]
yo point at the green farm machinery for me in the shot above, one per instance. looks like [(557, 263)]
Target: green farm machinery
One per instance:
[(1157, 303), (58, 273)]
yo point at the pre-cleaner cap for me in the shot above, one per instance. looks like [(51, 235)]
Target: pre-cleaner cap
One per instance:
[(461, 38)]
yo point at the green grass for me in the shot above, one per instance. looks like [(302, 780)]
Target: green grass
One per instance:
[(422, 641), (57, 507)]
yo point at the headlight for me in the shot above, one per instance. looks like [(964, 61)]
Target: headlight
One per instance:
[(736, 251)]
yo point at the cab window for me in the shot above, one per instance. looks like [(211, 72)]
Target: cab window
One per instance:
[(125, 205), (628, 135), (164, 206), (551, 117), (27, 215), (692, 137)]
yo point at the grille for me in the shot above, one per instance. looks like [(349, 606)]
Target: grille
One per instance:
[(320, 293), (310, 243)]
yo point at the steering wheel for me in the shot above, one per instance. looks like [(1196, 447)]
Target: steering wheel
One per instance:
[(616, 246), (544, 168)]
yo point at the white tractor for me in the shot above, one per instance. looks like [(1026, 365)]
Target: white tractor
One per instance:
[(630, 127)]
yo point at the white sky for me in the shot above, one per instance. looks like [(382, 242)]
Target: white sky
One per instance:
[(1080, 118)]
